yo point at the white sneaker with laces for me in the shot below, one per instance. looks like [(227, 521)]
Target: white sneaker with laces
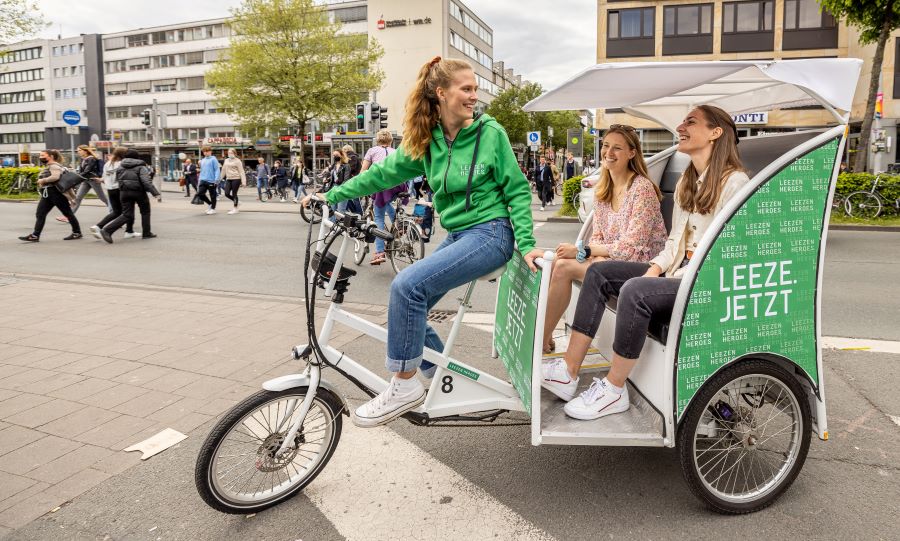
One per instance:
[(294, 200), (131, 235), (95, 230), (399, 397), (233, 211), (211, 211), (598, 400), (556, 379)]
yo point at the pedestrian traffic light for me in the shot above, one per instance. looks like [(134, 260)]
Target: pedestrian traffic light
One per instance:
[(146, 117), (361, 116), (375, 111), (384, 118)]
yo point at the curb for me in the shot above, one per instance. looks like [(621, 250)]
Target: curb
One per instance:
[(564, 219), (876, 228)]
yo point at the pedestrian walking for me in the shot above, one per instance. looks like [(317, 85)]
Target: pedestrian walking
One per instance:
[(543, 179), (262, 178), (135, 179), (383, 199), (209, 179), (296, 175), (570, 165), (233, 173), (339, 172), (189, 170), (52, 197), (111, 183), (91, 169), (555, 172), (280, 174)]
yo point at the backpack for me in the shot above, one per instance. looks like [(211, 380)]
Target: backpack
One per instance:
[(98, 168)]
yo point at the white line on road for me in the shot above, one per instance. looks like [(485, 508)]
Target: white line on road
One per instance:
[(895, 418), (380, 486)]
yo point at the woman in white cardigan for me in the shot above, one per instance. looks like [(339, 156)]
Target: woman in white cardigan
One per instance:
[(708, 135)]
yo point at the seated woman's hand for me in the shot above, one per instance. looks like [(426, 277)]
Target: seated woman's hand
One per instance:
[(654, 271), (566, 251)]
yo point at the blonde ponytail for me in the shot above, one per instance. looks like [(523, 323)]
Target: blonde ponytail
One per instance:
[(422, 108)]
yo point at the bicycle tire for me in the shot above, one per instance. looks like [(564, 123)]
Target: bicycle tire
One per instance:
[(865, 205), (839, 204), (310, 215), (408, 249)]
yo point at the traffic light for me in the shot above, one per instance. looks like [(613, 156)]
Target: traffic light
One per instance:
[(375, 112), (361, 116), (146, 121), (384, 118)]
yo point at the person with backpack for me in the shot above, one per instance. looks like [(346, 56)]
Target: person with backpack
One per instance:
[(91, 168), (355, 165), (52, 197), (280, 177), (135, 181), (383, 199), (110, 169), (262, 178)]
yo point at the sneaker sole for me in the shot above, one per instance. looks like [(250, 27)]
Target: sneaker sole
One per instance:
[(590, 416), (561, 394), (384, 419)]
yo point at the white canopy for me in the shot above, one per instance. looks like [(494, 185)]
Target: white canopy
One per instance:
[(664, 92)]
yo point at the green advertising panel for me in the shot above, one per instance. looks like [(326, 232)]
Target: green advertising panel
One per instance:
[(756, 288), (516, 315)]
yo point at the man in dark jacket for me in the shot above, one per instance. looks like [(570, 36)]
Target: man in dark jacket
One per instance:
[(543, 179), (355, 165), (190, 176), (134, 183)]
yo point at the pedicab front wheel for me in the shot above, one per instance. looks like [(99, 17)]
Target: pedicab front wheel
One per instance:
[(239, 469), (745, 437)]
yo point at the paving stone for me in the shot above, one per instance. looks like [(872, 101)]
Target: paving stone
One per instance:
[(205, 387), (84, 364), (36, 454), (118, 462), (143, 375), (13, 437), (52, 383), (21, 402), (6, 394), (80, 483), (114, 396), (114, 431), (112, 369), (11, 484), (7, 370), (78, 422), (70, 464), (31, 508), (146, 404), (17, 381), (176, 411), (140, 351), (83, 389), (8, 350), (44, 413), (33, 356), (36, 488), (172, 381)]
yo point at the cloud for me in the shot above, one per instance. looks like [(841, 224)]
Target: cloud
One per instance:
[(545, 42)]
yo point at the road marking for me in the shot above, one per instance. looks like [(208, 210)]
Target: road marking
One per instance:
[(861, 344), (538, 225), (380, 486), (896, 419)]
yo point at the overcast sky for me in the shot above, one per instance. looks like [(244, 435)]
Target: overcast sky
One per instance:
[(547, 42)]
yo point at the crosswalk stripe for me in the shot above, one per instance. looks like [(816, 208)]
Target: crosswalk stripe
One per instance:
[(379, 485)]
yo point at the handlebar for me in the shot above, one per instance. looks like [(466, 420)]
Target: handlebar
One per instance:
[(351, 221)]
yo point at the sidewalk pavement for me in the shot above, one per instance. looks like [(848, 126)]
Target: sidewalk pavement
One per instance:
[(89, 368)]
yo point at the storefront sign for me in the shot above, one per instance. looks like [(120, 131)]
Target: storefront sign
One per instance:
[(515, 319), (221, 141), (393, 23), (751, 118), (263, 144)]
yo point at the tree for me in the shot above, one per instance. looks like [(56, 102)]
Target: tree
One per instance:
[(507, 108), (288, 65), (19, 19), (876, 19)]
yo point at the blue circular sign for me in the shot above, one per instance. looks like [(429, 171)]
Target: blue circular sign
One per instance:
[(72, 118), (533, 137)]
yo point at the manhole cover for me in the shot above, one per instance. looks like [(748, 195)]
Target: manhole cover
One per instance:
[(440, 316)]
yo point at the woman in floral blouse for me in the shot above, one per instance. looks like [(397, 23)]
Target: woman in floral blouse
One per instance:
[(628, 223)]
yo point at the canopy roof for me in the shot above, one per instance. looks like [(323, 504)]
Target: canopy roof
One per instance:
[(665, 91)]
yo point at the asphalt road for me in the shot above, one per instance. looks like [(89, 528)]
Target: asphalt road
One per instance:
[(848, 488), (263, 253)]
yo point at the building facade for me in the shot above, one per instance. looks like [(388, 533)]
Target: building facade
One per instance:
[(690, 30)]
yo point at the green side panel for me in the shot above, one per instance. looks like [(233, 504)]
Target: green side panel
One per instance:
[(515, 319), (756, 289)]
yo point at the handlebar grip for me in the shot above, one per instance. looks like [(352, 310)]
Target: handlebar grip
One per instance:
[(372, 229)]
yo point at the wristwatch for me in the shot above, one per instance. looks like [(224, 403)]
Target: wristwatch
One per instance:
[(583, 253)]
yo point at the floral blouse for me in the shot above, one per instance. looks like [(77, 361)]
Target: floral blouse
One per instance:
[(637, 231)]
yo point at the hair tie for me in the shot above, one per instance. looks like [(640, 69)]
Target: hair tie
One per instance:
[(434, 61)]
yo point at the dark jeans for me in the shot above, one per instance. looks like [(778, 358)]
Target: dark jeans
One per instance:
[(116, 202), (188, 182), (546, 192), (130, 198), (51, 197), (207, 188), (639, 300), (231, 190)]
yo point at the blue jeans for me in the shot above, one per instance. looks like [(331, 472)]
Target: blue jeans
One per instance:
[(351, 205), (462, 257), (262, 184), (298, 188), (379, 219)]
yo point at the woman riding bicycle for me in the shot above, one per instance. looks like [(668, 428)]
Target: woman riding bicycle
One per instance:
[(483, 200)]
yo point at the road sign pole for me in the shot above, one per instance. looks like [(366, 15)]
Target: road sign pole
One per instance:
[(157, 180), (72, 147)]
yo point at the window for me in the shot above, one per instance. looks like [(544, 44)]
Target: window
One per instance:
[(81, 47), (748, 16), (195, 57), (139, 87), (136, 64), (165, 61), (67, 93), (21, 76), (84, 91), (27, 137), (55, 72), (803, 14), (80, 70), (192, 108), (470, 50), (111, 44), (22, 118), (57, 94), (20, 55), (21, 97), (116, 89), (486, 85), (192, 83), (211, 56), (72, 48), (138, 40), (76, 92), (117, 112), (165, 85), (116, 66), (630, 23), (56, 51), (349, 15), (688, 20), (159, 37), (456, 12)]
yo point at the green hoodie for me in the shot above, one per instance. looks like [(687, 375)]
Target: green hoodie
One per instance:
[(499, 190)]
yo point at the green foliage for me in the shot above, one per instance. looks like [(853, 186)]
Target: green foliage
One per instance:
[(507, 108), (8, 176), (571, 187), (888, 186), (868, 15), (288, 65), (19, 19)]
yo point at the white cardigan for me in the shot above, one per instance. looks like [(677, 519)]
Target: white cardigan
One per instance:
[(669, 260)]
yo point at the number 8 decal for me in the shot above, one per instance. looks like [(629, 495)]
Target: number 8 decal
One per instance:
[(447, 384)]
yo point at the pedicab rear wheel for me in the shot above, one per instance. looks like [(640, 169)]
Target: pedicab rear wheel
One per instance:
[(745, 437)]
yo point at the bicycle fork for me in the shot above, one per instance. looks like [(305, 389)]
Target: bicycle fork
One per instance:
[(315, 375)]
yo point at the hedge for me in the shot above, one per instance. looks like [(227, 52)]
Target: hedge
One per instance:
[(571, 187), (8, 176), (888, 185)]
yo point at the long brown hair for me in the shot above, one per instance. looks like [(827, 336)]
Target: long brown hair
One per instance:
[(118, 154), (636, 165), (422, 111), (724, 161), (88, 150)]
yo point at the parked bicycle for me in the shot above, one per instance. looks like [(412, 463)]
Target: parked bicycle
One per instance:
[(869, 204), (21, 185), (408, 245)]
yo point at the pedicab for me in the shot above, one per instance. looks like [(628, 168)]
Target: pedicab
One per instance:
[(733, 378)]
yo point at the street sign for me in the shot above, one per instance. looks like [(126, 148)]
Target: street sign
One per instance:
[(550, 131), (574, 142), (534, 148), (72, 118), (72, 130), (534, 138), (594, 131)]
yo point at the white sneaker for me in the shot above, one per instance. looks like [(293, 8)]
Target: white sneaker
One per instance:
[(283, 200), (211, 211), (233, 211), (542, 208), (556, 379), (294, 200), (131, 235), (95, 230), (598, 400), (392, 403)]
